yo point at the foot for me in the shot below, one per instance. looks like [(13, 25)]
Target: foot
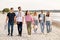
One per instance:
[(11, 35), (8, 34), (20, 35), (29, 35)]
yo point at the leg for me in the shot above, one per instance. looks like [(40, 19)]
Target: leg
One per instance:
[(36, 25), (20, 27), (42, 27), (41, 24), (47, 26), (8, 28), (12, 30), (29, 28)]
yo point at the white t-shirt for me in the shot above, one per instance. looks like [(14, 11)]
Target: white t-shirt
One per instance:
[(19, 17), (22, 13), (35, 17), (48, 18), (41, 18)]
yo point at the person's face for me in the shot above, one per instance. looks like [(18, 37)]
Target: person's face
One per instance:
[(19, 9), (48, 13), (41, 12), (28, 13), (12, 10)]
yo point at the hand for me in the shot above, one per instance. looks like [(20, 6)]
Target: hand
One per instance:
[(15, 22), (22, 22), (6, 22)]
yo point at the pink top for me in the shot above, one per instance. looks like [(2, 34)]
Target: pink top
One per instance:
[(28, 18)]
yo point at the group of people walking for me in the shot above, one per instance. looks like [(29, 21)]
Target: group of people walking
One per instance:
[(19, 18)]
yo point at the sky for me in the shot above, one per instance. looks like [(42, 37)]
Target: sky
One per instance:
[(31, 4)]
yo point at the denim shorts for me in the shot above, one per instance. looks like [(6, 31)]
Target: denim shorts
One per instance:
[(36, 22)]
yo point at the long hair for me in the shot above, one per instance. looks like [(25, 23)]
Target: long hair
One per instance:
[(26, 13), (48, 14), (35, 13)]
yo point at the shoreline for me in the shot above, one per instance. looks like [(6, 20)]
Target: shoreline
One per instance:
[(56, 23)]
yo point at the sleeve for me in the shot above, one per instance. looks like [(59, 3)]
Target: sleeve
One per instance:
[(14, 14), (38, 16), (32, 20), (50, 20), (44, 17)]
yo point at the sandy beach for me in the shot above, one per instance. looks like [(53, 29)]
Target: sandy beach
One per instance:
[(53, 35)]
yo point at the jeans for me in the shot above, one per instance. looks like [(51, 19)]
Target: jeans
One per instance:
[(19, 24), (42, 26), (48, 26), (10, 25)]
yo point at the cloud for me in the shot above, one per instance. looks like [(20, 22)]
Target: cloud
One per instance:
[(31, 4)]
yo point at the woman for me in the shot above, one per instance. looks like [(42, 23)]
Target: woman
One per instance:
[(48, 22), (35, 17), (29, 20)]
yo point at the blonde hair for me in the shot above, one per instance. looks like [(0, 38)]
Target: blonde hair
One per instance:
[(35, 13)]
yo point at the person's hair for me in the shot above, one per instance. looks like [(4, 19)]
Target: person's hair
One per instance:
[(41, 11), (48, 14), (19, 7), (26, 13), (35, 13), (11, 8)]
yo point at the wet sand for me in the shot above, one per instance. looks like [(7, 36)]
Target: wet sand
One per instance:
[(56, 24)]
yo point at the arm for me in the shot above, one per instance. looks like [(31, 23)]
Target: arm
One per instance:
[(39, 17), (51, 20), (15, 18), (44, 17), (32, 20), (6, 19), (23, 19)]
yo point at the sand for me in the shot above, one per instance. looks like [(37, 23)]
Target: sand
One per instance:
[(53, 35)]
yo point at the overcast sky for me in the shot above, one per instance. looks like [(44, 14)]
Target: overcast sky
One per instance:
[(31, 4)]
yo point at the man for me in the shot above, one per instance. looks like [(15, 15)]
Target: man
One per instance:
[(10, 18), (20, 20), (41, 18)]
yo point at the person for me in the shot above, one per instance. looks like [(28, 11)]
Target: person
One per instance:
[(41, 18), (29, 20), (10, 18), (48, 22), (19, 20), (35, 18)]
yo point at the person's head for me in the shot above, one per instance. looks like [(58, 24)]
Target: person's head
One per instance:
[(41, 11), (11, 9), (48, 14), (19, 8), (35, 13), (27, 13)]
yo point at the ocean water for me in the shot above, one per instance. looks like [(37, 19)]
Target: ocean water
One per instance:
[(55, 16)]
